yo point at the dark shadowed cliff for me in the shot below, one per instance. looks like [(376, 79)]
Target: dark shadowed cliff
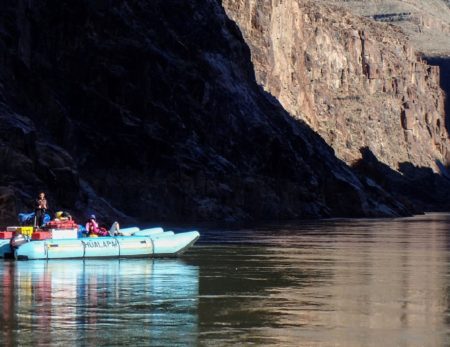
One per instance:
[(149, 110)]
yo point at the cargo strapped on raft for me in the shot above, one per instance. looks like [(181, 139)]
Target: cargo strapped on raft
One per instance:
[(58, 224)]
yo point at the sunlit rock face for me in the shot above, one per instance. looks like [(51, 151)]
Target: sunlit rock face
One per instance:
[(149, 110), (358, 83), (426, 22)]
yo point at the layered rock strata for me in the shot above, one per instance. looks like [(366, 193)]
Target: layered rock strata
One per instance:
[(426, 22), (358, 83)]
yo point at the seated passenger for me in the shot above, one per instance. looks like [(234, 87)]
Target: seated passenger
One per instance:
[(93, 229), (115, 229)]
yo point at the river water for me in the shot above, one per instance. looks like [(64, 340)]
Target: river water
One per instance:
[(329, 283)]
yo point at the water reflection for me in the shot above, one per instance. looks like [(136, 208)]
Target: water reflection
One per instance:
[(99, 302), (336, 282), (349, 283)]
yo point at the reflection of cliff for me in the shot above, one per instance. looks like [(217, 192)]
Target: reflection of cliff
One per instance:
[(351, 283), (385, 279), (396, 281), (65, 302)]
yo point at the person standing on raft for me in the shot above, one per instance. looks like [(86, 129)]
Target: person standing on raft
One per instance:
[(41, 206)]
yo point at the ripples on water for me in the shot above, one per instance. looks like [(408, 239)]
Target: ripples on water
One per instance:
[(330, 283)]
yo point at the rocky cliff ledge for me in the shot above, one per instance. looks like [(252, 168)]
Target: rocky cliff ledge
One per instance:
[(358, 83)]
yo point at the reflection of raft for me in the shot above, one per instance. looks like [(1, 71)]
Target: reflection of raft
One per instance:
[(153, 242)]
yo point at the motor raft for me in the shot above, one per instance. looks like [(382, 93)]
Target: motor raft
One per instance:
[(132, 242)]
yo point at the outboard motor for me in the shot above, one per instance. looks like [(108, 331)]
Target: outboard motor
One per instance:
[(17, 241)]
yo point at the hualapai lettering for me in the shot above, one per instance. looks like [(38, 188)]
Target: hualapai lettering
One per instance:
[(102, 244)]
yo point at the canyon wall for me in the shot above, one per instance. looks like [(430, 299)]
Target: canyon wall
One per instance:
[(358, 83), (426, 22), (150, 111)]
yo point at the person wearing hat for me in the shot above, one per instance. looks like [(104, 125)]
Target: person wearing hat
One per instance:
[(92, 225), (93, 229)]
